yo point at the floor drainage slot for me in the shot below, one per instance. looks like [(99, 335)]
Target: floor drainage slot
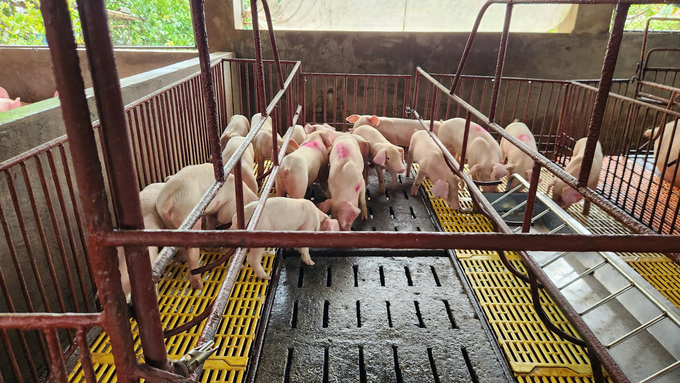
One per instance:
[(397, 369), (450, 314), (325, 313), (389, 314), (413, 213), (408, 276), (301, 276), (293, 321), (356, 275), (328, 276), (391, 212), (382, 276), (421, 324), (405, 194), (362, 366), (325, 365), (432, 366), (436, 277), (358, 314), (286, 376), (473, 374)]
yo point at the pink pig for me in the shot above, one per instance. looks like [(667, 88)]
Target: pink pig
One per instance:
[(346, 183), (518, 161), (396, 130), (661, 148), (309, 128), (424, 151), (184, 190), (483, 153), (300, 215), (247, 173), (238, 127), (301, 168), (263, 142), (152, 221), (383, 154), (7, 104), (565, 195)]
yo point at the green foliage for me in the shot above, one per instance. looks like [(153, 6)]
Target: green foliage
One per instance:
[(165, 23), (638, 14)]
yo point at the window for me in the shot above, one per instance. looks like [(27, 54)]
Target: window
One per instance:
[(639, 13), (404, 16)]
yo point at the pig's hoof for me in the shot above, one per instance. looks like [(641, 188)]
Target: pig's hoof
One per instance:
[(265, 276), (197, 283), (382, 189), (308, 262)]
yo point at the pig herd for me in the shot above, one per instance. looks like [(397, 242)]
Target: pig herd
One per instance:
[(339, 162)]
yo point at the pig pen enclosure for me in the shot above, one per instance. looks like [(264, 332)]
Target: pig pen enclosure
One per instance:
[(509, 288)]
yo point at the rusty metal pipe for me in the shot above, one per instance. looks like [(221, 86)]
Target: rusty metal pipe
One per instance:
[(30, 321), (207, 86), (259, 69), (500, 63), (602, 95), (531, 197), (116, 147), (90, 181), (272, 39)]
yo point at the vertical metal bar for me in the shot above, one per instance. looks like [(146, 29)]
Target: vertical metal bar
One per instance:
[(603, 92), (435, 93), (259, 70), (85, 356), (238, 189), (500, 63), (531, 197), (88, 170), (365, 94), (468, 46), (12, 359), (466, 135), (58, 364)]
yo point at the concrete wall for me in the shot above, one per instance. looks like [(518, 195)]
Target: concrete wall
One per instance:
[(552, 56), (27, 71)]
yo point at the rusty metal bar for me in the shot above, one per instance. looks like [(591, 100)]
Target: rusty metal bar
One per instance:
[(49, 320), (90, 181), (588, 193), (85, 356), (207, 86), (466, 136), (500, 63), (602, 95), (124, 188), (643, 60), (259, 69), (58, 370), (531, 197), (272, 39), (220, 302)]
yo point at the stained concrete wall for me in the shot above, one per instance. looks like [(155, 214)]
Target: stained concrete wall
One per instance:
[(27, 71), (552, 56)]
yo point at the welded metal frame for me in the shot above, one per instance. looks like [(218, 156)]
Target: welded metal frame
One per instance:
[(102, 238)]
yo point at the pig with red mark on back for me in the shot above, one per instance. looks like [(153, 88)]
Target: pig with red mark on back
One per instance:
[(152, 221), (183, 191), (300, 215), (483, 153), (430, 159), (263, 142), (396, 130), (238, 127), (383, 154), (247, 173), (299, 134), (300, 169), (518, 161), (346, 182), (565, 195)]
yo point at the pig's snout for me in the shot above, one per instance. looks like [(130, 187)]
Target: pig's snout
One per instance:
[(402, 170)]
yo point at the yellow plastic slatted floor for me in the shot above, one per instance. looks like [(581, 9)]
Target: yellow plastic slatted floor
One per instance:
[(178, 303), (534, 353)]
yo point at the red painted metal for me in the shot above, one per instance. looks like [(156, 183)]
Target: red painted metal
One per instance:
[(501, 62), (531, 197)]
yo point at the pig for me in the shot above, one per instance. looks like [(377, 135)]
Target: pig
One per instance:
[(483, 153), (152, 221), (238, 127), (3, 93), (300, 215), (346, 182), (383, 154), (396, 130), (424, 151), (301, 168), (565, 195), (184, 190), (247, 173), (661, 148), (299, 135), (518, 161), (263, 142), (309, 128), (7, 104)]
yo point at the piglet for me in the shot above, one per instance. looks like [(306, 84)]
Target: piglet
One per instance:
[(431, 164), (396, 130), (286, 214), (152, 221), (301, 168), (247, 173), (309, 128), (3, 93), (346, 182), (7, 104), (483, 153), (263, 142), (184, 190), (383, 154), (299, 135), (238, 127), (518, 161), (565, 195), (662, 144)]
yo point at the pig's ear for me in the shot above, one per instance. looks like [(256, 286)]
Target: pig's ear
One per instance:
[(329, 127), (3, 93), (569, 196), (380, 158), (346, 215), (325, 206), (474, 169), (401, 151), (167, 178), (327, 139), (330, 224), (500, 170), (373, 121), (353, 118), (441, 189), (293, 144), (310, 128), (16, 103)]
